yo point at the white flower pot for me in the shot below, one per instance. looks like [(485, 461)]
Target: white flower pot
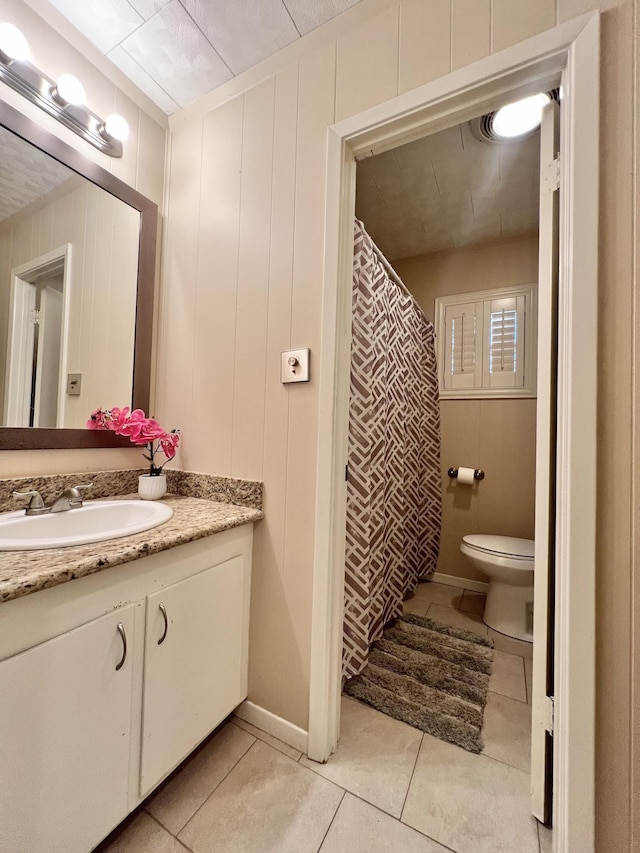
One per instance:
[(152, 488)]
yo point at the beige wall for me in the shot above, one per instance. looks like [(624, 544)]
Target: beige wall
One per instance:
[(243, 281), (142, 166), (103, 233), (495, 435)]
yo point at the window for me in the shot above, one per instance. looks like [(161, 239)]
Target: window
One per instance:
[(486, 343)]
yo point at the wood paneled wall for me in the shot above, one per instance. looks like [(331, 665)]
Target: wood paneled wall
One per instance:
[(243, 281)]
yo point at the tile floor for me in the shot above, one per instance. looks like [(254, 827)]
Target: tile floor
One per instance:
[(388, 788)]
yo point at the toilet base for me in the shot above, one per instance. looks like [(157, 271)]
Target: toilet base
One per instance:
[(509, 610)]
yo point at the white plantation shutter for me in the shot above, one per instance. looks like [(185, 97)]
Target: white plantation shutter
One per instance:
[(504, 334), (463, 344), (484, 343), (463, 364)]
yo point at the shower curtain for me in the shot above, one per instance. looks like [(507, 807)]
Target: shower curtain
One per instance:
[(394, 501)]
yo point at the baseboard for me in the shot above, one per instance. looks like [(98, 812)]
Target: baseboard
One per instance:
[(463, 583), (273, 725)]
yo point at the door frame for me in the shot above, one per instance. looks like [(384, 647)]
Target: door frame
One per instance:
[(568, 54), (18, 356)]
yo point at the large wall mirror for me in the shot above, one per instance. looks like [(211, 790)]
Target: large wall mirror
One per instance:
[(77, 258)]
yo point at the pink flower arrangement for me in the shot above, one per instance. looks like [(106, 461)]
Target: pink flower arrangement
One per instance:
[(140, 430)]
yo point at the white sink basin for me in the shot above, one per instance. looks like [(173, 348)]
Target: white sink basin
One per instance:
[(93, 522)]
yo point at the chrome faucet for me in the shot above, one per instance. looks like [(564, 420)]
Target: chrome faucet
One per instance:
[(36, 504), (71, 498)]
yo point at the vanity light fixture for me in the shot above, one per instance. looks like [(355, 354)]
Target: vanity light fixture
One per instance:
[(68, 90), (64, 99), (116, 127), (13, 45)]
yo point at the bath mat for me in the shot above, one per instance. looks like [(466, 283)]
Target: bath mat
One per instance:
[(429, 675)]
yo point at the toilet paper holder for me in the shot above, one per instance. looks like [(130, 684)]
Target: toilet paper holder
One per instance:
[(478, 473)]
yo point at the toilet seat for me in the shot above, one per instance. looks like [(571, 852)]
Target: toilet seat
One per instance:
[(502, 546)]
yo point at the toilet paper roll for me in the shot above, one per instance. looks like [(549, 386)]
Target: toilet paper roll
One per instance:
[(466, 476)]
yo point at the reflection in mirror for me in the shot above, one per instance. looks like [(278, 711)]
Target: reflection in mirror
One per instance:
[(68, 279), (77, 258)]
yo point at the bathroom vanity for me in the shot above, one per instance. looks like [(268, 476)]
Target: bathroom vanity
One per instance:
[(109, 681)]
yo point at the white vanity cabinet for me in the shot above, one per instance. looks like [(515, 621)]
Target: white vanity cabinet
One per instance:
[(81, 743), (194, 667), (65, 716)]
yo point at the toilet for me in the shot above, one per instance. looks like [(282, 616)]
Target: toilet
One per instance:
[(508, 562)]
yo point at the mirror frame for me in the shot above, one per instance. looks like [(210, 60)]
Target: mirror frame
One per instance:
[(32, 438)]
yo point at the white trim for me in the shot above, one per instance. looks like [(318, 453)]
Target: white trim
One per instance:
[(574, 801), (460, 583), (273, 725), (523, 68), (545, 481)]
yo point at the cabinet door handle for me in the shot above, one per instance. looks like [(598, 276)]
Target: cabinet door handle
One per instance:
[(124, 646), (163, 610)]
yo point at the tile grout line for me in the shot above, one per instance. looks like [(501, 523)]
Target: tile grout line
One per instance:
[(353, 793), (266, 742), (344, 794), (413, 770), (207, 798), (506, 696), (399, 821), (162, 826), (505, 764)]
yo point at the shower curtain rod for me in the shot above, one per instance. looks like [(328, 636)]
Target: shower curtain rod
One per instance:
[(394, 275), (385, 263)]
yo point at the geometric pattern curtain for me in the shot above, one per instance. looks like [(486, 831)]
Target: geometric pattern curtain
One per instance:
[(394, 498)]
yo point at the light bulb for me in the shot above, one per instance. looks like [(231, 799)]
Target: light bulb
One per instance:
[(116, 127), (69, 90), (12, 43), (519, 118)]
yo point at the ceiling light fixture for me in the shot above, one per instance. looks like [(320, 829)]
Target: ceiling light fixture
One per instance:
[(515, 121), (519, 118), (64, 99)]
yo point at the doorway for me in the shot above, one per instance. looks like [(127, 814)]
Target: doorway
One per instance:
[(37, 342), (567, 56)]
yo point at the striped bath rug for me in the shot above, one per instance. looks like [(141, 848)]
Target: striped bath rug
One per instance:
[(429, 675)]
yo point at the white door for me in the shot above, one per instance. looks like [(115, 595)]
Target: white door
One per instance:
[(546, 419), (195, 664), (48, 356), (64, 751), (20, 344)]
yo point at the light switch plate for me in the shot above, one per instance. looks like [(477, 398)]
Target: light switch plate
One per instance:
[(74, 384), (294, 365)]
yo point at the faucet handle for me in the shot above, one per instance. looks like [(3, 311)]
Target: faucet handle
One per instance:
[(73, 494), (36, 503)]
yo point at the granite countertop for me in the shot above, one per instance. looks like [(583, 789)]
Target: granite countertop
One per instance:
[(24, 572)]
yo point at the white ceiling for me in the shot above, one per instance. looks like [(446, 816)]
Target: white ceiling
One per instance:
[(26, 174), (448, 190), (177, 50)]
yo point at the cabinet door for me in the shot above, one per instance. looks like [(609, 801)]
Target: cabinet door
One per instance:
[(195, 673), (64, 750)]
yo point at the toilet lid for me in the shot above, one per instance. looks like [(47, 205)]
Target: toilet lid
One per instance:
[(506, 546)]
